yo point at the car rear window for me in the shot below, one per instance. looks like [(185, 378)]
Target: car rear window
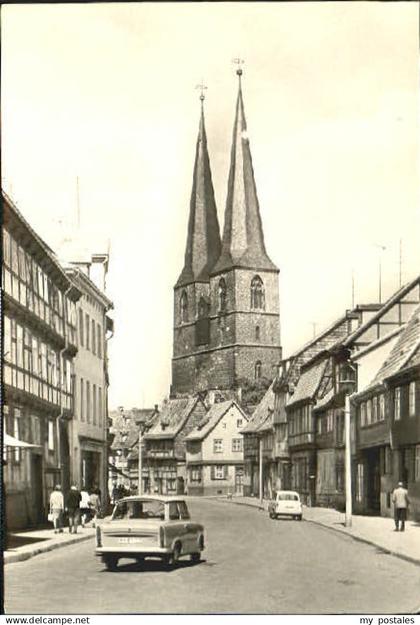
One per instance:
[(287, 497), (139, 510)]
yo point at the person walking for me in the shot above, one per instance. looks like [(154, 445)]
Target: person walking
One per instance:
[(95, 505), (73, 508), (84, 507), (57, 509), (400, 501)]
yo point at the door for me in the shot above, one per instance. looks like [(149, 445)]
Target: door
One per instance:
[(239, 480), (37, 488), (373, 483)]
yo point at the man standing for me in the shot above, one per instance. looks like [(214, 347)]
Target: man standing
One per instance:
[(57, 508), (73, 507), (400, 501)]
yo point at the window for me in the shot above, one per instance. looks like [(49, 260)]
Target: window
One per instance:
[(184, 307), (87, 401), (99, 405), (81, 333), (99, 337), (374, 409), (222, 295), (237, 444), (417, 467), (202, 328), (217, 445), (82, 400), (93, 337), (219, 472), (94, 403), (50, 435), (152, 509), (368, 412), (195, 474), (6, 247), (257, 293), (16, 433), (87, 325), (257, 372), (412, 399), (257, 333), (397, 403), (239, 423), (363, 414), (381, 407)]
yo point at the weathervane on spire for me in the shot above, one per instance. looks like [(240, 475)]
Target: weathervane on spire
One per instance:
[(202, 88), (238, 62)]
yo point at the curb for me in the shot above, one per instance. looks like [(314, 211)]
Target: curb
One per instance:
[(11, 558), (243, 503), (397, 554)]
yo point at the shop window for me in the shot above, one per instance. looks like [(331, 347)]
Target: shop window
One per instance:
[(195, 474)]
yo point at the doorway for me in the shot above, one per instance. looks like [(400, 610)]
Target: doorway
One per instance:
[(239, 480), (373, 481), (37, 489)]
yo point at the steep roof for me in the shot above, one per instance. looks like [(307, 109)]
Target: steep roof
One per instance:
[(172, 418), (262, 418), (405, 353), (243, 238), (309, 382), (203, 239), (212, 418)]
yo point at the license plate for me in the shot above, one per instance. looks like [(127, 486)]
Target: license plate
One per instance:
[(129, 541)]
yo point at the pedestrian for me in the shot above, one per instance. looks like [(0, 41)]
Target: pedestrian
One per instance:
[(73, 508), (84, 507), (95, 505), (400, 501), (57, 509)]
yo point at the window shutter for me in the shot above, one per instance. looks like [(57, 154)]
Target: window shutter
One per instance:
[(213, 472)]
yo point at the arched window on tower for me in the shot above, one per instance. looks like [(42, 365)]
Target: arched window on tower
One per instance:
[(202, 326), (257, 293), (184, 307), (258, 370), (257, 333), (222, 295)]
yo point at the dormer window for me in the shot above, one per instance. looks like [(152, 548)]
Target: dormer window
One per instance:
[(184, 307), (257, 294), (222, 295)]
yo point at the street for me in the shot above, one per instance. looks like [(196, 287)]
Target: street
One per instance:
[(251, 565)]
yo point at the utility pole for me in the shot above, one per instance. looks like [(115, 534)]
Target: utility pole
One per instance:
[(261, 485), (347, 461), (140, 467), (381, 248)]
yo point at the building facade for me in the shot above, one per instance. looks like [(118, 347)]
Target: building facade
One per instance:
[(214, 453), (226, 300), (87, 431), (40, 343)]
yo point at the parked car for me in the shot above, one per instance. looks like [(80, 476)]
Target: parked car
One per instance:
[(285, 503), (152, 526)]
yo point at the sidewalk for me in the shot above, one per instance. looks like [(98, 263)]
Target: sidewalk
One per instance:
[(25, 545), (377, 531)]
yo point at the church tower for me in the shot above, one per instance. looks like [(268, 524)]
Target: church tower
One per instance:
[(237, 324)]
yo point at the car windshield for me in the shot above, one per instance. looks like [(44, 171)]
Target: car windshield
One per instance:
[(287, 497), (151, 509)]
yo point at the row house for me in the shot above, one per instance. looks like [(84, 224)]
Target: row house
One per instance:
[(164, 457), (387, 417), (214, 452), (39, 346), (86, 434)]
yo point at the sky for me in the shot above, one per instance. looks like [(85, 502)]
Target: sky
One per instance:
[(106, 94)]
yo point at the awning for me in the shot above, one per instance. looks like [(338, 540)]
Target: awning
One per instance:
[(11, 441)]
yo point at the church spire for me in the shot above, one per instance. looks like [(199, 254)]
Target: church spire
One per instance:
[(243, 238), (203, 239)]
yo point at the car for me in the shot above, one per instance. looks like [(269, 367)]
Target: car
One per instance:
[(154, 526), (285, 503)]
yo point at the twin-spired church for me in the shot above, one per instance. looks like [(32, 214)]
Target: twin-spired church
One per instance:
[(226, 299)]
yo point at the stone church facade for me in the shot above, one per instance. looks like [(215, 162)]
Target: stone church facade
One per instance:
[(226, 299)]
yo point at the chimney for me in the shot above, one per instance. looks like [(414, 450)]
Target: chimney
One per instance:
[(99, 270)]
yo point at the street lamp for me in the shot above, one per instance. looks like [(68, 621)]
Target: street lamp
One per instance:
[(347, 383)]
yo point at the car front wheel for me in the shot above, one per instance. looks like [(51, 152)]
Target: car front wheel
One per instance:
[(195, 557), (174, 557)]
